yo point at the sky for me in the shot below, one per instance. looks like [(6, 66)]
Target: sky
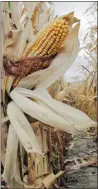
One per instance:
[(79, 9)]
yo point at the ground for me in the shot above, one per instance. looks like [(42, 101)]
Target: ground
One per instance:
[(84, 178)]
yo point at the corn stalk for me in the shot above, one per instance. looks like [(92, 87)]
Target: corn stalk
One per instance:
[(27, 140)]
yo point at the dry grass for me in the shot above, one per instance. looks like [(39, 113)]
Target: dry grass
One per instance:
[(83, 97)]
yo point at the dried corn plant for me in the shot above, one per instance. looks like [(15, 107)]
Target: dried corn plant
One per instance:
[(37, 50)]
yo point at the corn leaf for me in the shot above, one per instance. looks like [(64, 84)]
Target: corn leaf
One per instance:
[(73, 118), (23, 129), (11, 169), (38, 110)]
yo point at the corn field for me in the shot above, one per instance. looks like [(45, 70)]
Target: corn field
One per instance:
[(42, 115)]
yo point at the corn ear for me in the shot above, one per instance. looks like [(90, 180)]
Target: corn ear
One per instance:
[(50, 39)]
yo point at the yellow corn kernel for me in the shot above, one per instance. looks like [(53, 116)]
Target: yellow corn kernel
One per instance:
[(49, 41)]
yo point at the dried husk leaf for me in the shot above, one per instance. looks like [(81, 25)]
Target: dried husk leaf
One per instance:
[(15, 51), (44, 17), (11, 170), (14, 14), (4, 81), (30, 6), (74, 118), (60, 96), (6, 20), (54, 89), (10, 80), (3, 143), (3, 137), (38, 110), (23, 128)]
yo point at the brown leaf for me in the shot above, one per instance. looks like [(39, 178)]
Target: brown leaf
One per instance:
[(50, 179), (31, 177)]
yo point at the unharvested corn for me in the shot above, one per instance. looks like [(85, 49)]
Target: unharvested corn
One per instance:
[(39, 55), (50, 40)]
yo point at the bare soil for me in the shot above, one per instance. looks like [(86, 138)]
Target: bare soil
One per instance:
[(83, 178)]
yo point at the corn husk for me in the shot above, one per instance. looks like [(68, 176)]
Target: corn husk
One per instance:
[(49, 111), (11, 170), (23, 128), (39, 111)]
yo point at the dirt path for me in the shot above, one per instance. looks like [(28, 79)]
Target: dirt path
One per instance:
[(84, 148)]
